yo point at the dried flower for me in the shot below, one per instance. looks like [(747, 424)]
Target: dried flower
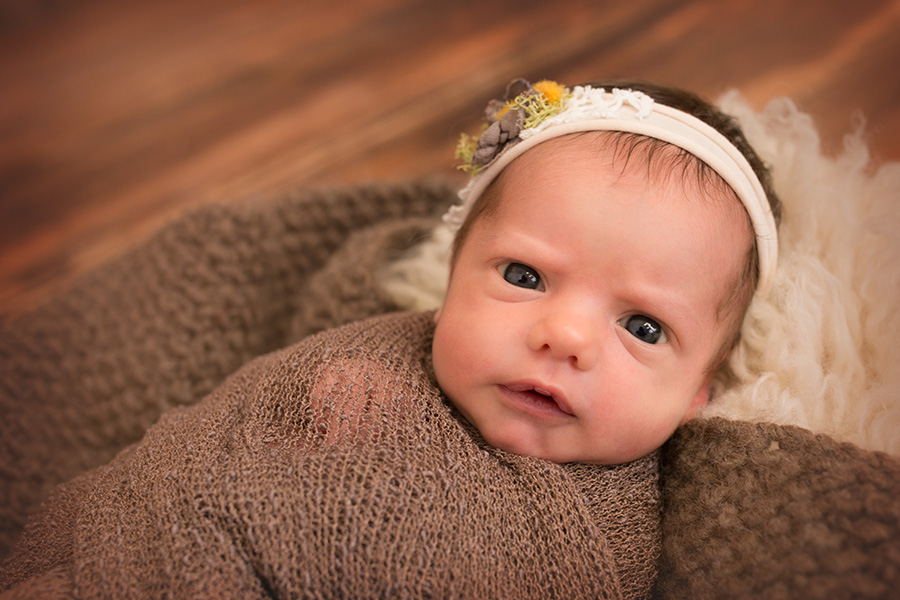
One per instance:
[(553, 92), (523, 107)]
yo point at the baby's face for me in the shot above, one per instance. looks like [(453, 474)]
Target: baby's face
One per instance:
[(582, 316)]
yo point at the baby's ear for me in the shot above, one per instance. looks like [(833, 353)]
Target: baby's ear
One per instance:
[(698, 402), (437, 314)]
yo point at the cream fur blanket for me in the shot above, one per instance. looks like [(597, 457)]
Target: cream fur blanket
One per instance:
[(821, 351)]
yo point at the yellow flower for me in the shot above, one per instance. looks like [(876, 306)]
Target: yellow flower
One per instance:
[(551, 90)]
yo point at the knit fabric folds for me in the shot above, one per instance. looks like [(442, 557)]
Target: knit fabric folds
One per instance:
[(335, 469)]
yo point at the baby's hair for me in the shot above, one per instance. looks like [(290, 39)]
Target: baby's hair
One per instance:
[(696, 106), (692, 169)]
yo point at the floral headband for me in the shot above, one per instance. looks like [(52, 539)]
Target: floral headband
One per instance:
[(545, 110)]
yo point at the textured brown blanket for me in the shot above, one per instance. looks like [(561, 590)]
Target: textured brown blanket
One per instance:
[(748, 510), (334, 469), (88, 373)]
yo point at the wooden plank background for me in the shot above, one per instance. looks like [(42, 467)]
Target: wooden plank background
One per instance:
[(117, 116)]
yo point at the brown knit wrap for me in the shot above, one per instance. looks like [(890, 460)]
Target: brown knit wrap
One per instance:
[(755, 510), (86, 374), (336, 469)]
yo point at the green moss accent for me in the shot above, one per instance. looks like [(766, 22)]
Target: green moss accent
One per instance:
[(537, 108)]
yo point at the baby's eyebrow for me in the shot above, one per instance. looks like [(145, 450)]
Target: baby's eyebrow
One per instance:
[(534, 247)]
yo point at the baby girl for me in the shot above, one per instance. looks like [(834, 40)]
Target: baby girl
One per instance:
[(609, 244)]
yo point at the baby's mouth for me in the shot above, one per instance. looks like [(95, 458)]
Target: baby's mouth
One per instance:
[(537, 398)]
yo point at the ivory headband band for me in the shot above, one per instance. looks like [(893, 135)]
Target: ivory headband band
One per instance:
[(548, 110)]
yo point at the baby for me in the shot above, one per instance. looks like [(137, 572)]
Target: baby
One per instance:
[(609, 244)]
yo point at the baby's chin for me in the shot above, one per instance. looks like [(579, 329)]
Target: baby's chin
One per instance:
[(565, 455), (522, 446)]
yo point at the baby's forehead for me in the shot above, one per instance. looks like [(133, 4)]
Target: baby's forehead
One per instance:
[(629, 159)]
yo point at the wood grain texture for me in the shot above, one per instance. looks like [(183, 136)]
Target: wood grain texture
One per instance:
[(115, 117)]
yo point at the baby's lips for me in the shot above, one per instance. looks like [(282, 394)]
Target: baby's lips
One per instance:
[(554, 394)]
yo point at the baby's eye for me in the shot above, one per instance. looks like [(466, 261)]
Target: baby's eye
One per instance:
[(521, 275), (644, 328)]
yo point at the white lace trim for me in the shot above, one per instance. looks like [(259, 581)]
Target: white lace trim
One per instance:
[(595, 103)]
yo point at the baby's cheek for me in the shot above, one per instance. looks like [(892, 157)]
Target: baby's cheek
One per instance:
[(642, 432), (444, 356)]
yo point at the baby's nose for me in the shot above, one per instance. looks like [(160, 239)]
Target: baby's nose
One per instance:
[(566, 336)]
